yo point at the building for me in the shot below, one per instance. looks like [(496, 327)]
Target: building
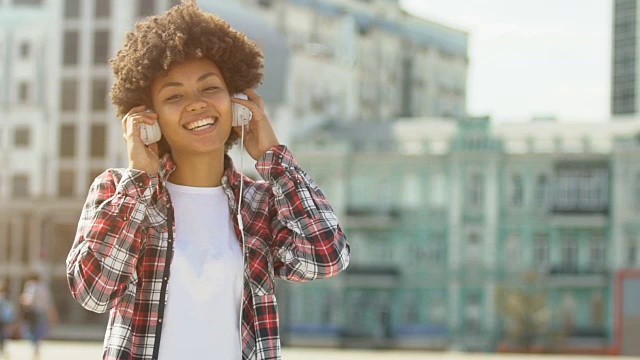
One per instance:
[(625, 94), (446, 217), (60, 132), (368, 60), (23, 131)]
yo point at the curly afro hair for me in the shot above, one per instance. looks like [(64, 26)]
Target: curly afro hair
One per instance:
[(182, 33)]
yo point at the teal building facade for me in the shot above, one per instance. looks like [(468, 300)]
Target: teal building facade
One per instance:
[(454, 224)]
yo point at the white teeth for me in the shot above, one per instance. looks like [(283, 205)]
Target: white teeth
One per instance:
[(199, 123)]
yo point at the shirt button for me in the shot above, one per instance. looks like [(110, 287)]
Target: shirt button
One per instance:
[(160, 320), (166, 278), (124, 218)]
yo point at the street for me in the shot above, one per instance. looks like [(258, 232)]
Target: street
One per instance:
[(59, 350)]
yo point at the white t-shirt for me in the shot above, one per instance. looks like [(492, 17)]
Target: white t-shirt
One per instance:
[(202, 315)]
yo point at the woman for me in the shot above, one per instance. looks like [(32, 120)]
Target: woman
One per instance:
[(38, 310), (159, 244)]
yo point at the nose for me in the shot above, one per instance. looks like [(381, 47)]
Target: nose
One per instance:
[(197, 104)]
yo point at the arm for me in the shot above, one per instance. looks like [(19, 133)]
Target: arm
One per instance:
[(308, 242), (101, 266)]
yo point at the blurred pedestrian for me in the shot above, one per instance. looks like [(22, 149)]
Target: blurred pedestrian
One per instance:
[(38, 310), (181, 247), (7, 316)]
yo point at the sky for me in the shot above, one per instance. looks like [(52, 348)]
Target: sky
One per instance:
[(532, 57)]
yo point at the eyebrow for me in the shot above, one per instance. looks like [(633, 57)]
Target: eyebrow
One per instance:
[(201, 78)]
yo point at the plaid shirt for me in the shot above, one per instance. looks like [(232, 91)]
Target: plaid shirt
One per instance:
[(120, 259)]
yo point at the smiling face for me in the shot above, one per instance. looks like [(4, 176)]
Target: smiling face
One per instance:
[(193, 106)]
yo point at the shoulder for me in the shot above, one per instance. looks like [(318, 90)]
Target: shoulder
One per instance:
[(110, 176)]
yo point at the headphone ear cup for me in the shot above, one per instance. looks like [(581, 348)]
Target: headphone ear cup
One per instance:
[(234, 115), (239, 112)]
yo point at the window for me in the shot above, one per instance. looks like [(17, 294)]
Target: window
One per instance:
[(636, 193), (541, 251), (328, 308), (27, 2), (438, 190), (20, 185), (411, 191), (21, 137), (70, 55), (72, 9), (569, 253), (438, 309), (66, 181), (475, 190), (542, 191), (25, 49), (566, 190), (517, 190), (103, 8), (98, 140), (23, 93), (93, 174), (632, 250), (69, 96), (472, 312), (436, 249), (582, 188), (101, 47), (67, 141), (568, 310), (512, 252), (598, 252), (99, 95), (474, 249), (597, 310), (411, 312), (145, 8), (61, 240)]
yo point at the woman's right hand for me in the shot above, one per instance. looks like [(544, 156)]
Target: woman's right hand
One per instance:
[(141, 156)]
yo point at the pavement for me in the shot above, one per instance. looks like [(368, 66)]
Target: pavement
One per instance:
[(65, 350)]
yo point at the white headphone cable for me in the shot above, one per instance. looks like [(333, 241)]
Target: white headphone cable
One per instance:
[(241, 226)]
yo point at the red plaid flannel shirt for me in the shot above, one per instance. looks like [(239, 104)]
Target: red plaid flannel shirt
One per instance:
[(120, 259)]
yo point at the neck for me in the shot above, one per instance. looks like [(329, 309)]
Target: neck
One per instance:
[(202, 170)]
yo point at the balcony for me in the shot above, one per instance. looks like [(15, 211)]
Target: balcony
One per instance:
[(572, 276), (362, 217)]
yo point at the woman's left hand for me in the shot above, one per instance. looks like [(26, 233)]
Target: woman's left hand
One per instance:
[(258, 135)]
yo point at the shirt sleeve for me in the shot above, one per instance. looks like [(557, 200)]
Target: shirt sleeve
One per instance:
[(101, 266), (308, 242)]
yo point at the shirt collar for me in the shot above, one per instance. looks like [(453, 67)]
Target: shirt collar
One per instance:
[(231, 176)]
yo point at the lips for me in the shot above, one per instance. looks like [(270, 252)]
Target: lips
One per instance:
[(200, 124)]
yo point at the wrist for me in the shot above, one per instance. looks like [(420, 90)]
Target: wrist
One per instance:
[(150, 170)]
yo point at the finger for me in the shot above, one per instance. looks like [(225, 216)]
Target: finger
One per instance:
[(145, 117), (253, 96), (133, 128), (131, 112), (136, 109)]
